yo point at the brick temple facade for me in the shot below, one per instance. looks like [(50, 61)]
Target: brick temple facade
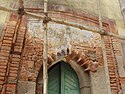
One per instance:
[(21, 55)]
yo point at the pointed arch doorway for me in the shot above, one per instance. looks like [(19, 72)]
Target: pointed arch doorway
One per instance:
[(63, 79)]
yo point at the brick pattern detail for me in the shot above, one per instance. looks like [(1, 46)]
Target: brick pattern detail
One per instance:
[(114, 80), (30, 72), (10, 55), (32, 59), (5, 53)]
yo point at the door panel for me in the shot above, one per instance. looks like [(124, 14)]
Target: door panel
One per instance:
[(54, 80), (63, 80), (71, 83)]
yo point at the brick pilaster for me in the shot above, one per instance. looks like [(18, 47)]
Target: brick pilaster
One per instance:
[(10, 54)]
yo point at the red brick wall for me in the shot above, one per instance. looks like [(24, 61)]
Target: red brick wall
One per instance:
[(10, 54), (17, 63), (32, 59)]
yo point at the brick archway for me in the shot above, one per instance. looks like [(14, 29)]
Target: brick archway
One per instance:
[(83, 76), (12, 60), (107, 24), (79, 61), (83, 59)]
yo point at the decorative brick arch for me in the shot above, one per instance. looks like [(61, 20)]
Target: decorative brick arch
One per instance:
[(79, 61), (80, 57), (83, 76), (15, 59), (88, 60), (83, 59)]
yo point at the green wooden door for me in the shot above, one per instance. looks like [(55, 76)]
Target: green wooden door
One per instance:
[(54, 80), (63, 80)]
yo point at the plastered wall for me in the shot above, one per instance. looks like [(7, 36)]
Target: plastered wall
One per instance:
[(3, 15), (109, 8)]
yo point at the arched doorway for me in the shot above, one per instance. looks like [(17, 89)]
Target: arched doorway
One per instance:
[(63, 79), (83, 78)]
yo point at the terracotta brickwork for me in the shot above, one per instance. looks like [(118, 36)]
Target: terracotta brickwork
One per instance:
[(5, 53), (31, 59), (10, 55), (21, 58)]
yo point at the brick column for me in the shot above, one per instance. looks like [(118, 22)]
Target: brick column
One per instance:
[(5, 53), (10, 55)]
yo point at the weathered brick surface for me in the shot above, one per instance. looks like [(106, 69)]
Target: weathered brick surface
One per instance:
[(5, 52), (31, 65), (10, 88), (31, 59), (9, 58), (114, 80), (16, 58)]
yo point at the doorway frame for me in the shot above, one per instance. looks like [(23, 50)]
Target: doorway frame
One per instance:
[(83, 77)]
